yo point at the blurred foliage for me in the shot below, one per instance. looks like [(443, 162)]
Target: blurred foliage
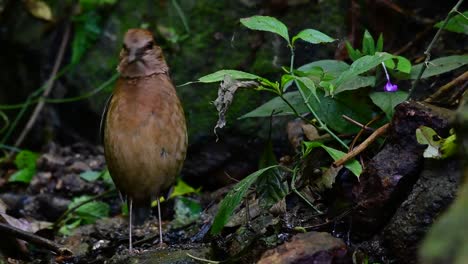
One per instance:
[(25, 161)]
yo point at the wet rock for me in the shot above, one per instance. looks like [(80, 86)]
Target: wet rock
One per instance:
[(312, 247), (390, 175), (164, 255)]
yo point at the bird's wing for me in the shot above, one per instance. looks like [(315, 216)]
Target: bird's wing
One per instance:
[(102, 124)]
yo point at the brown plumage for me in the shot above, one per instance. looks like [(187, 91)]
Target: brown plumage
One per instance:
[(144, 131)]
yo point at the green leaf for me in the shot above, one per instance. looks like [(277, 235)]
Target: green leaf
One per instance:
[(388, 100), (352, 165), (89, 212), (333, 67), (278, 106), (182, 188), (233, 200), (186, 211), (307, 86), (379, 46), (427, 136), (23, 175), (266, 23), (402, 65), (106, 177), (68, 228), (437, 147), (87, 31), (355, 83), (368, 45), (308, 146), (286, 81), (26, 159), (449, 146), (219, 76), (329, 110), (93, 4), (439, 66), (457, 23), (90, 176), (271, 187), (312, 36), (362, 65), (353, 54)]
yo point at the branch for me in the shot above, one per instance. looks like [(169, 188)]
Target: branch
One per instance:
[(49, 85), (429, 48), (446, 88), (353, 153), (34, 239)]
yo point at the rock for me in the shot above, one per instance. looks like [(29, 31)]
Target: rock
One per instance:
[(390, 175), (164, 255), (311, 247), (431, 195)]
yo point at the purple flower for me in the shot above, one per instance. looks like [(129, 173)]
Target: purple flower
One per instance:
[(389, 87)]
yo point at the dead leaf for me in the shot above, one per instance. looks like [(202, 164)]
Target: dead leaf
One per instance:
[(328, 177), (39, 9), (226, 92), (310, 132)]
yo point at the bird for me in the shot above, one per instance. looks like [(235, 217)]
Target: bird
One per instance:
[(143, 127)]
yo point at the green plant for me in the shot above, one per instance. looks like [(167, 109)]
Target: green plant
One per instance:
[(326, 90), (25, 161)]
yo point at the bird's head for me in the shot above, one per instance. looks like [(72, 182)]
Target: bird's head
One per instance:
[(140, 56)]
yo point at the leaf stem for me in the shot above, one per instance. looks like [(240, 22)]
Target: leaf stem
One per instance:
[(309, 107), (296, 191), (453, 11)]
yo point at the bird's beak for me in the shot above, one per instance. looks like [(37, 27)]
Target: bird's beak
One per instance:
[(132, 56)]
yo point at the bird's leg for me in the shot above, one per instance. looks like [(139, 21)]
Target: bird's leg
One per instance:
[(160, 225), (130, 246)]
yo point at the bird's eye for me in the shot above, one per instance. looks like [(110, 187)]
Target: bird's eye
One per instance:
[(124, 47), (149, 45)]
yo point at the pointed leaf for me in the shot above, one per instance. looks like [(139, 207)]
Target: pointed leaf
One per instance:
[(387, 101), (307, 86), (312, 36), (266, 23), (457, 23), (353, 54), (233, 200), (440, 65), (219, 76), (368, 45), (379, 46), (362, 65), (353, 165)]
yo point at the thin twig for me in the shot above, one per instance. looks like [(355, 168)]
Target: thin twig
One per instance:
[(381, 130), (352, 121), (453, 11), (203, 260), (34, 239), (47, 90), (460, 79), (359, 134)]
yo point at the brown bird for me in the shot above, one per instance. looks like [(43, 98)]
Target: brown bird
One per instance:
[(143, 127)]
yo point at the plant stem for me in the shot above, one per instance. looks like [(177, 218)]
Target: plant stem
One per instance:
[(453, 11), (309, 107), (296, 191)]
